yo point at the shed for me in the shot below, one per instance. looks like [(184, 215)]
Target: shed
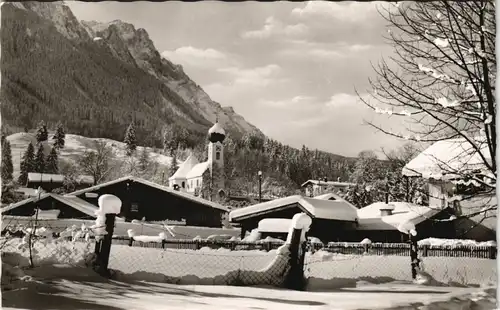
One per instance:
[(331, 218)]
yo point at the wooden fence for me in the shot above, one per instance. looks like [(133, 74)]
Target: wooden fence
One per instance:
[(382, 249)]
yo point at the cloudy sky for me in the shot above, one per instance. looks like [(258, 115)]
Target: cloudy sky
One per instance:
[(289, 68)]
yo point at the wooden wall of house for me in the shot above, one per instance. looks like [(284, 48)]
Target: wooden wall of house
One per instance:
[(384, 236), (326, 230), (157, 205), (48, 203), (46, 186), (332, 230)]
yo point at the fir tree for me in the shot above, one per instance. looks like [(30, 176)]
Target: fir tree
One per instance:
[(173, 164), (51, 164), (59, 137), (42, 134), (144, 160), (7, 167), (39, 164), (130, 140), (27, 164)]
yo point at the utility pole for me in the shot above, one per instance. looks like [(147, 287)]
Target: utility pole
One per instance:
[(260, 186)]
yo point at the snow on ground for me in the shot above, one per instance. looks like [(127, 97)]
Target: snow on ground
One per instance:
[(454, 242), (63, 287), (329, 268)]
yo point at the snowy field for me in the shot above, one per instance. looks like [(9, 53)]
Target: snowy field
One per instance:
[(455, 270), (323, 269), (178, 263), (64, 287)]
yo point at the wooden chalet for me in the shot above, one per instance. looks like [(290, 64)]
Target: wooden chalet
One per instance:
[(140, 199)]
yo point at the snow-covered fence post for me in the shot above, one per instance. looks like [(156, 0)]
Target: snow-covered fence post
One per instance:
[(409, 228), (109, 207), (297, 239)]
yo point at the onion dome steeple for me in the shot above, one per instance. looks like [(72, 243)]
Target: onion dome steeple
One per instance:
[(216, 133)]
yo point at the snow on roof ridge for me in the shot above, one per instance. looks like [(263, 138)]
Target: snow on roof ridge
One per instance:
[(185, 168), (152, 184), (197, 170), (325, 209), (217, 128)]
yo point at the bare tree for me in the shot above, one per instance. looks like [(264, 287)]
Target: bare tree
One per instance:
[(441, 80), (97, 163)]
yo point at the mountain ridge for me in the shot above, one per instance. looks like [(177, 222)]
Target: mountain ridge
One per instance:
[(108, 73)]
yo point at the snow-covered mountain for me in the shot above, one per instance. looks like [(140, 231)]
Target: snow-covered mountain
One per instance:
[(96, 77)]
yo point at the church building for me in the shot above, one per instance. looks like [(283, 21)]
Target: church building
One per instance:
[(189, 176)]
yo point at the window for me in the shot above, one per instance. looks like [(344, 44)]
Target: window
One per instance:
[(134, 207), (217, 156), (183, 184), (197, 182)]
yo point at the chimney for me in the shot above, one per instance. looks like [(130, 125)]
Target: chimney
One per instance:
[(386, 209), (338, 179)]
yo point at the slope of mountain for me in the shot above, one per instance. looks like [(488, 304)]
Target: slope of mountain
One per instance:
[(75, 147), (96, 78)]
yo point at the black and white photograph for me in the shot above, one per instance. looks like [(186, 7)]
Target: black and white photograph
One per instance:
[(219, 155)]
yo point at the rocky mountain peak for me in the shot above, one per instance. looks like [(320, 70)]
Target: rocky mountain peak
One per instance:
[(61, 16)]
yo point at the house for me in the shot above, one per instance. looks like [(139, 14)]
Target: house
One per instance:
[(317, 187), (49, 182), (140, 199), (444, 164), (154, 202), (62, 206), (331, 218), (189, 176), (380, 222), (334, 219)]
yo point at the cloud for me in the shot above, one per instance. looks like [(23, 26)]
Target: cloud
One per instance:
[(192, 56), (309, 50), (274, 27), (350, 12), (258, 76), (343, 100), (297, 101)]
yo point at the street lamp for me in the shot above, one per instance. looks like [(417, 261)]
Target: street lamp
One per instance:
[(387, 189), (260, 186)]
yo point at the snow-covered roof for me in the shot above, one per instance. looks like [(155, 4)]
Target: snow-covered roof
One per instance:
[(370, 217), (154, 185), (217, 128), (444, 159), (30, 192), (274, 225), (79, 204), (44, 177), (72, 201), (330, 209), (23, 202), (185, 168), (324, 209), (485, 203), (329, 196), (47, 177), (197, 170), (332, 183)]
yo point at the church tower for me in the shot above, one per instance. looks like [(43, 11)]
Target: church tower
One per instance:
[(216, 136)]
